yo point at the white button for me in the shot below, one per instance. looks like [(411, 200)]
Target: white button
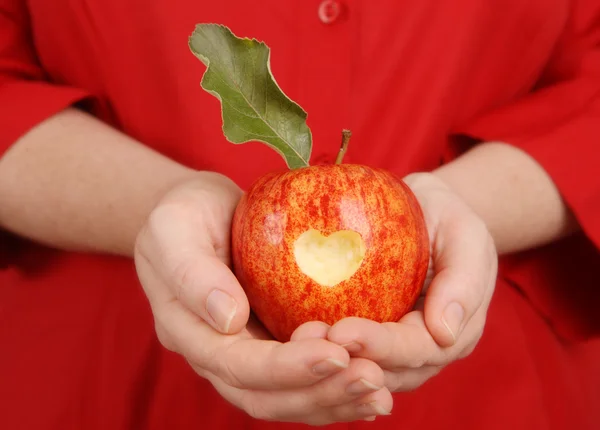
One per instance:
[(329, 11)]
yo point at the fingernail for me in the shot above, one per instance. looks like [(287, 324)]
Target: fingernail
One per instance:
[(361, 386), (328, 366), (370, 408), (221, 307), (352, 346), (452, 319), (371, 418)]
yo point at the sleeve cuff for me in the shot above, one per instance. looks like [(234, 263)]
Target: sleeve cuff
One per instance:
[(570, 155), (24, 105), (565, 142), (27, 103)]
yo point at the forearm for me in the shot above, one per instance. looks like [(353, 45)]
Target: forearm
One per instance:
[(75, 183), (512, 194)]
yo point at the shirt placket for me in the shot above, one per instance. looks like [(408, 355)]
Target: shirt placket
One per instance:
[(325, 72)]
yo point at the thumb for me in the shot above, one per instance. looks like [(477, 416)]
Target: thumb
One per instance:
[(463, 267), (177, 245), (207, 287)]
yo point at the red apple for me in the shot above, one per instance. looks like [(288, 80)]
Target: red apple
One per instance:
[(328, 242)]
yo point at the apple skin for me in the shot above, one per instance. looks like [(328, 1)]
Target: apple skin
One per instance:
[(279, 207)]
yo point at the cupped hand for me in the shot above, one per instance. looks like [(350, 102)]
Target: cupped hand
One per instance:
[(449, 318), (182, 258)]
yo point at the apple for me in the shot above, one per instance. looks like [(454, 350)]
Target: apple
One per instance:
[(314, 242), (326, 242)]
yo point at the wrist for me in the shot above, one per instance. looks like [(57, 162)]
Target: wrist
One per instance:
[(511, 193)]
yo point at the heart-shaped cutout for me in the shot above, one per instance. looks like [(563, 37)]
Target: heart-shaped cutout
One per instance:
[(329, 260)]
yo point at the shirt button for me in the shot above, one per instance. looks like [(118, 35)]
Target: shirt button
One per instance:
[(329, 11)]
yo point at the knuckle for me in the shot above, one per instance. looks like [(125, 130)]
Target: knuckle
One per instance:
[(163, 218), (157, 219), (416, 362), (152, 234), (416, 359)]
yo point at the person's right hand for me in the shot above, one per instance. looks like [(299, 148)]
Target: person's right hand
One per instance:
[(182, 258)]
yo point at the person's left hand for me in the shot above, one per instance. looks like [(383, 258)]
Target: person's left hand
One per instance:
[(449, 318)]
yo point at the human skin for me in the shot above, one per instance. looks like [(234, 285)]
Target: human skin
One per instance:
[(68, 183)]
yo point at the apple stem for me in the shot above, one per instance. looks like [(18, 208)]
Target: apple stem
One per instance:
[(346, 135)]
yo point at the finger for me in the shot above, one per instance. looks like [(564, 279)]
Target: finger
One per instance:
[(367, 407), (360, 378), (177, 244), (403, 380), (405, 344), (244, 362), (463, 260), (311, 330), (298, 406)]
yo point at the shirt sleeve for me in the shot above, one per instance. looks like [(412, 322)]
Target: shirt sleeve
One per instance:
[(27, 96), (558, 124)]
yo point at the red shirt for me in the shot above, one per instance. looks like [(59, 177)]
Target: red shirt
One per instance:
[(417, 82)]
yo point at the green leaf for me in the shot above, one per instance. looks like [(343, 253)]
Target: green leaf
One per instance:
[(254, 108)]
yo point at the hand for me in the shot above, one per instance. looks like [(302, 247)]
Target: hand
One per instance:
[(449, 318), (200, 310)]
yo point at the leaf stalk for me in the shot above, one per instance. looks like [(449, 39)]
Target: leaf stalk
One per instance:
[(346, 135)]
